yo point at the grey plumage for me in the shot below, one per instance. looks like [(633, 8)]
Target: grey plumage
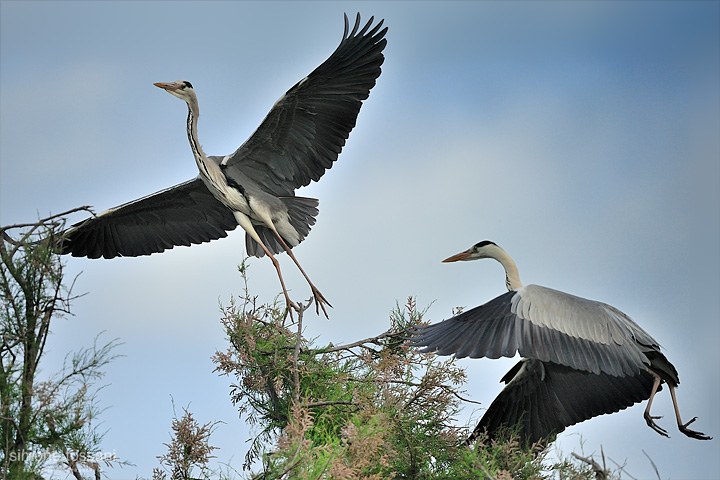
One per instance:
[(581, 358), (296, 143), (305, 131), (302, 212), (254, 187), (544, 398), (185, 214), (545, 324)]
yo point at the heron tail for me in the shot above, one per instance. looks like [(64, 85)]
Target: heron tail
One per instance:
[(662, 367), (301, 212)]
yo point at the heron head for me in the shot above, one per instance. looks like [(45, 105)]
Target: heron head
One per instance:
[(181, 89), (484, 249)]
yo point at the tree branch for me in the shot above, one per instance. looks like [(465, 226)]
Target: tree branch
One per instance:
[(328, 403), (41, 222), (296, 350), (600, 472), (359, 343)]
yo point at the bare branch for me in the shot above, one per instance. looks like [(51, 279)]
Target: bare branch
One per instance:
[(43, 222), (72, 464), (653, 464), (415, 384), (296, 349), (328, 403), (487, 474), (600, 472), (359, 343)]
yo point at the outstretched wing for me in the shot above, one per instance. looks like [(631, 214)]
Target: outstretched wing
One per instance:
[(181, 215), (541, 399), (547, 325), (307, 127)]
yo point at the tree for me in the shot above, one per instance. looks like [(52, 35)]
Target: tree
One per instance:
[(49, 422), (189, 449), (372, 409)]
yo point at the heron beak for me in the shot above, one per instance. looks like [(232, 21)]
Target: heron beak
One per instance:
[(167, 86), (460, 256)]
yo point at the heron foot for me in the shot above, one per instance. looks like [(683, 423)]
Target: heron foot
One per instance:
[(320, 301), (692, 433), (289, 307), (650, 420)]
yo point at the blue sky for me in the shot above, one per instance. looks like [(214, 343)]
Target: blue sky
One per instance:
[(581, 137)]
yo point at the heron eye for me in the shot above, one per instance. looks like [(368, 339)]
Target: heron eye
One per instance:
[(188, 84)]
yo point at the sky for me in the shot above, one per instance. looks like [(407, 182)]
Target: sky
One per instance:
[(581, 137)]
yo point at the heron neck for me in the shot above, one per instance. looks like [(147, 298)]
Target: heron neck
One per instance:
[(192, 133), (512, 276)]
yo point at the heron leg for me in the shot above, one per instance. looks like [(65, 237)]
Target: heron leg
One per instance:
[(247, 225), (288, 302), (683, 426), (320, 300), (649, 419)]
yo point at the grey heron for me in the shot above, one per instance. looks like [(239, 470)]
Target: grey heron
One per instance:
[(254, 187), (580, 358)]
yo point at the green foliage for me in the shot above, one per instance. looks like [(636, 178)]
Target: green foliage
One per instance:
[(373, 409), (48, 422), (189, 449), (507, 458)]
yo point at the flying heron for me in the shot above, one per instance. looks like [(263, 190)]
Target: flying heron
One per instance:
[(581, 358), (254, 187)]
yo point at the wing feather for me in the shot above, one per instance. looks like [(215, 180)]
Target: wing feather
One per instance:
[(305, 131), (547, 325), (544, 398), (181, 215)]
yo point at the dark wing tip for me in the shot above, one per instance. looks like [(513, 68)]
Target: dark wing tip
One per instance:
[(414, 335), (306, 130), (365, 31), (545, 398), (182, 215)]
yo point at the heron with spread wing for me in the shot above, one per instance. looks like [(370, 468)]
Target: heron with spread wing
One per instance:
[(581, 358), (254, 187)]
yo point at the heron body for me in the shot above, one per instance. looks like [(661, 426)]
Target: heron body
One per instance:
[(580, 358), (251, 205), (254, 187)]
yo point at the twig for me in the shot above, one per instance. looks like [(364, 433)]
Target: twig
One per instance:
[(622, 469), (600, 473), (295, 462), (653, 464), (23, 240), (359, 343), (326, 403), (84, 208), (484, 470), (326, 465), (72, 463), (415, 384), (296, 350)]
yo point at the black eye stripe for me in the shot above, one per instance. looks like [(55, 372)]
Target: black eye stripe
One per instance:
[(483, 243), (187, 84)]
